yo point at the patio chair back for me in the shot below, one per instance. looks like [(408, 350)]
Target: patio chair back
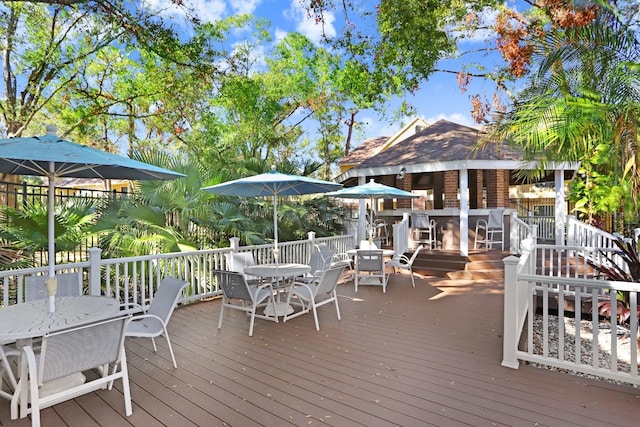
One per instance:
[(324, 250), (329, 280), (490, 231), (238, 261), (370, 265), (69, 285), (52, 377), (234, 285)]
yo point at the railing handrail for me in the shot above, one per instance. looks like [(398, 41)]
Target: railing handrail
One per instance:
[(134, 279)]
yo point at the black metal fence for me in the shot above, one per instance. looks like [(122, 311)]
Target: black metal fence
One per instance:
[(19, 195)]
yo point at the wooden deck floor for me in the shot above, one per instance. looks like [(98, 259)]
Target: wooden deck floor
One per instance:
[(410, 357)]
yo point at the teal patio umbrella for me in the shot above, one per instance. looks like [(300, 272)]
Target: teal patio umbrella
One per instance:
[(273, 184), (372, 190), (54, 157)]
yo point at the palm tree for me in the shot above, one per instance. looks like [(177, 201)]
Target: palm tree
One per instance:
[(583, 104), (25, 230)]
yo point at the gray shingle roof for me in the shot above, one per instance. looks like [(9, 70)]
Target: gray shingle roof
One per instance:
[(362, 152), (443, 141)]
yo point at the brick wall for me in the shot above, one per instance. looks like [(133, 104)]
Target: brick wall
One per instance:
[(451, 189), (497, 183)]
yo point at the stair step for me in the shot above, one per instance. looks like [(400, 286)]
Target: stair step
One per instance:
[(478, 265)]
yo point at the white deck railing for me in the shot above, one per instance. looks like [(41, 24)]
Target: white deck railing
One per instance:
[(401, 236), (585, 235), (547, 278), (135, 279), (518, 232)]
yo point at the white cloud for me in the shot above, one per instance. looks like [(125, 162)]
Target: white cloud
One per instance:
[(307, 25), (246, 6), (205, 10), (279, 35)]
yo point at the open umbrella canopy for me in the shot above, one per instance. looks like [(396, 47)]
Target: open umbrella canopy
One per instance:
[(49, 155), (372, 190), (54, 157), (273, 184)]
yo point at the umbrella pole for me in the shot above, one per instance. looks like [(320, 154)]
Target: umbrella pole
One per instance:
[(276, 251), (52, 282)]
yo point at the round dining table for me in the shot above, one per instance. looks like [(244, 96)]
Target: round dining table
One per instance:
[(32, 319), (278, 272)]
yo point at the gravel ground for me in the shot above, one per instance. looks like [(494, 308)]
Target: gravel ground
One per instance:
[(586, 338)]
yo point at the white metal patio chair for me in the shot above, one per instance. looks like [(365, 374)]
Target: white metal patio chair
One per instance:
[(55, 374), (343, 259), (424, 230), (238, 261), (381, 230), (402, 262), (490, 231), (319, 264), (310, 296), (370, 269), (248, 298), (69, 284), (153, 322)]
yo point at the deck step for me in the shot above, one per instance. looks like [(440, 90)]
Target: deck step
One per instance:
[(479, 265)]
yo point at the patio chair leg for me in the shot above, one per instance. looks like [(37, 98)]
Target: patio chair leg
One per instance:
[(315, 317), (173, 358), (221, 312)]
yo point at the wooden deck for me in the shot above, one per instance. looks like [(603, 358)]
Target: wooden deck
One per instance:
[(410, 357)]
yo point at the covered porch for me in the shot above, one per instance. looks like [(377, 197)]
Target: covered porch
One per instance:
[(428, 355), (458, 183)]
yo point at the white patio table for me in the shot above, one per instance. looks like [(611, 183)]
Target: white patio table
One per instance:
[(278, 272), (385, 252), (32, 319)]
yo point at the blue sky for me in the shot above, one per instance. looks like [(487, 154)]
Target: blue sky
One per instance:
[(438, 98)]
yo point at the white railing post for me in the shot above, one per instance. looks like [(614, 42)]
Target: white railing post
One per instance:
[(514, 234), (312, 238), (571, 230), (234, 244), (95, 254), (510, 326)]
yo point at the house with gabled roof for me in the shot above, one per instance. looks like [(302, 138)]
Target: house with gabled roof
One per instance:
[(457, 181)]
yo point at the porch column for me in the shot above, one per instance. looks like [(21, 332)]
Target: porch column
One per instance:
[(362, 217), (560, 206), (463, 177)]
